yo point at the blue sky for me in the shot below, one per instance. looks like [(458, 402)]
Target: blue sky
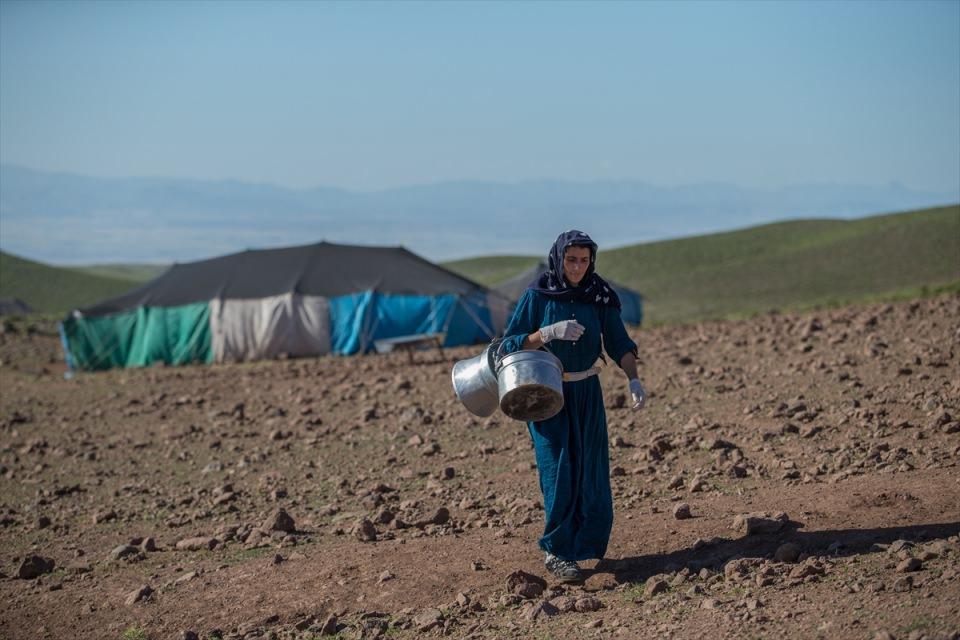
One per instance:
[(367, 95)]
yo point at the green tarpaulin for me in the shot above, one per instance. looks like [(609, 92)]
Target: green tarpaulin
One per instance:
[(138, 338)]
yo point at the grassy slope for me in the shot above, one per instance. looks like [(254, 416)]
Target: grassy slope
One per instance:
[(788, 264), (491, 270), (53, 289), (783, 265)]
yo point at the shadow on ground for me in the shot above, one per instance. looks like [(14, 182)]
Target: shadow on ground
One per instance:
[(834, 543)]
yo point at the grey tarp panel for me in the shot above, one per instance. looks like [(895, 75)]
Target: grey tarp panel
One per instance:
[(265, 328)]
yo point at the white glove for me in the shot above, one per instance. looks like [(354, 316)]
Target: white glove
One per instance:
[(563, 330), (638, 395)]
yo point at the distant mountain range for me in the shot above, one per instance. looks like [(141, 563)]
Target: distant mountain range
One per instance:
[(71, 219)]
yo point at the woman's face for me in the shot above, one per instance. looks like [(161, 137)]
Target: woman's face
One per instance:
[(576, 261)]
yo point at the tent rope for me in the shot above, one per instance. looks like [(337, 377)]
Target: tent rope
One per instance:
[(483, 325)]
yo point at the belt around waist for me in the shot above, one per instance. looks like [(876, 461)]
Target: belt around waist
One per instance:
[(576, 376)]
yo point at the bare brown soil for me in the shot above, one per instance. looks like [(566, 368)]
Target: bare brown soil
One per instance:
[(409, 514)]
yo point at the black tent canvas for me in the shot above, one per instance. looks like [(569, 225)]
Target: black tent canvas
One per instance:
[(298, 301)]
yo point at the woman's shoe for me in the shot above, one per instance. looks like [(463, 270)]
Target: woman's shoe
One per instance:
[(564, 570)]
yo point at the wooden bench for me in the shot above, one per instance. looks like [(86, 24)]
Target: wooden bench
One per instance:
[(410, 343)]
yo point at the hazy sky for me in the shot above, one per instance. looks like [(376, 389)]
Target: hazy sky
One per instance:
[(368, 95)]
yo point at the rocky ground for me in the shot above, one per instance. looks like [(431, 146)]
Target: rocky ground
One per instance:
[(794, 476)]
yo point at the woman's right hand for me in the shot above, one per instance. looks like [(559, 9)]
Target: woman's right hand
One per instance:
[(563, 330), (638, 394)]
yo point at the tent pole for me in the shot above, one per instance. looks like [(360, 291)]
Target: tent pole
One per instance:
[(483, 325)]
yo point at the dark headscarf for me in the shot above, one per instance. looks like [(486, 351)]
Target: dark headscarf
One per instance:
[(593, 288)]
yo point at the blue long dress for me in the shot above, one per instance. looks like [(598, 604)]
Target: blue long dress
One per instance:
[(572, 448)]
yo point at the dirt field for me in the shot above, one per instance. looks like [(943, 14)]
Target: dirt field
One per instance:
[(155, 493)]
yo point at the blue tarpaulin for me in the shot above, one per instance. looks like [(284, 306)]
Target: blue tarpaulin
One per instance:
[(357, 320)]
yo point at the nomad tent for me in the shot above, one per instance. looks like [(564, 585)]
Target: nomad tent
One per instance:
[(631, 302), (298, 301), (14, 307)]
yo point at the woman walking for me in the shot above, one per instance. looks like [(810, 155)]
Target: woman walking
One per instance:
[(575, 313)]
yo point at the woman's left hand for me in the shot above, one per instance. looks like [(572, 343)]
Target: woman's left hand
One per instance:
[(638, 394)]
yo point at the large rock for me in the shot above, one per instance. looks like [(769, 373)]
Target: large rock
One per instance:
[(587, 603), (717, 443), (33, 566), (910, 564), (788, 552), (427, 619), (365, 531), (697, 484), (740, 567), (187, 577), (255, 539), (384, 516), (104, 516), (900, 545), (197, 544), (528, 590), (751, 523), (940, 547), (140, 594), (122, 551), (539, 610), (329, 626), (809, 568), (903, 584), (279, 520), (441, 516), (225, 497), (655, 586), (564, 604), (522, 577)]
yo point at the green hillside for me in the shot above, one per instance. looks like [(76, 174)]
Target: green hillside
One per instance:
[(133, 272), (492, 270), (54, 289), (783, 265)]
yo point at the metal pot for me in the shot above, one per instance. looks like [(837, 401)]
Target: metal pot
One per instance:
[(475, 382), (530, 385)]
